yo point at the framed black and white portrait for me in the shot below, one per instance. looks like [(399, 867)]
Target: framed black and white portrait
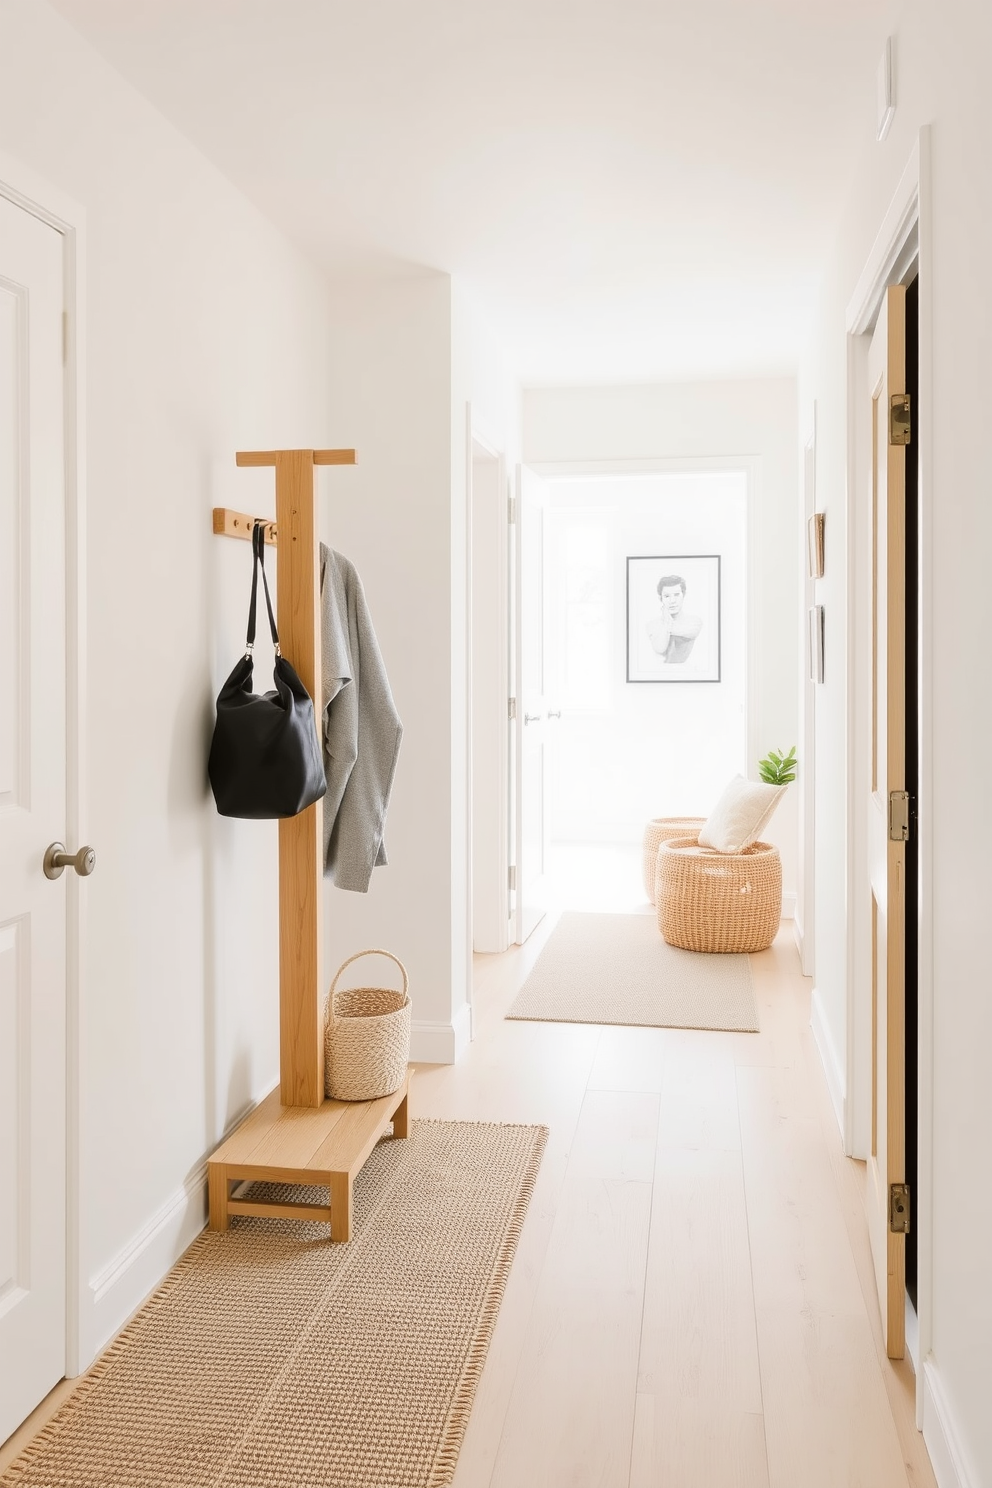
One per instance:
[(673, 618)]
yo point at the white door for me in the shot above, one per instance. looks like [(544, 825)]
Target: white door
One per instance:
[(530, 735), (32, 815), (887, 826)]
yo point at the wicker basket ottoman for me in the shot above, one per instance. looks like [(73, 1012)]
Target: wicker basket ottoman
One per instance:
[(658, 830), (710, 901)]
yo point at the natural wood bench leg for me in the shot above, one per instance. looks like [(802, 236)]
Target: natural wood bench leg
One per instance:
[(401, 1118), (217, 1189), (340, 1190)]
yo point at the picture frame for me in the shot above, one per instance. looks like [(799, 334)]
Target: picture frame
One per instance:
[(814, 545), (673, 628), (816, 643)]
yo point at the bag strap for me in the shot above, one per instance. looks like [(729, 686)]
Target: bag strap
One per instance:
[(329, 1007), (258, 561)]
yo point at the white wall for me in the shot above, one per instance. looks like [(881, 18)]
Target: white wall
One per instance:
[(207, 334), (699, 425), (625, 751), (392, 516), (408, 356), (941, 62)]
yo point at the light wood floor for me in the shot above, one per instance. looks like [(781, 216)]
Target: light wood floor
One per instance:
[(692, 1304)]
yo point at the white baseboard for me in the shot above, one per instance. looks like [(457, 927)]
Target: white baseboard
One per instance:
[(941, 1435), (123, 1284), (441, 1043), (798, 936), (832, 1066), (789, 905)]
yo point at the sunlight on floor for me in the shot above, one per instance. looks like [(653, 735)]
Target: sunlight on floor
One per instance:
[(596, 876)]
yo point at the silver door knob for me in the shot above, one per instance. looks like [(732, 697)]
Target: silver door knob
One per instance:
[(57, 859)]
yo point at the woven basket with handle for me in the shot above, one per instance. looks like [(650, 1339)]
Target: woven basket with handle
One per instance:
[(366, 1037)]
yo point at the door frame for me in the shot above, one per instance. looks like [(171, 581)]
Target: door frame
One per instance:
[(903, 244), (805, 920), (24, 188), (747, 465)]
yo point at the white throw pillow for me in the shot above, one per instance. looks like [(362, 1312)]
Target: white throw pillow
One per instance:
[(740, 815)]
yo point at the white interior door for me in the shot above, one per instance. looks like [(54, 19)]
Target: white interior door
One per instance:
[(32, 815), (886, 843), (531, 742)]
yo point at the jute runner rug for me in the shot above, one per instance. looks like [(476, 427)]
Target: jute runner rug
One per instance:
[(271, 1358), (606, 968)]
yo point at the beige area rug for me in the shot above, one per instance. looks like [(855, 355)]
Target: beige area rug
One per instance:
[(606, 968), (273, 1359)]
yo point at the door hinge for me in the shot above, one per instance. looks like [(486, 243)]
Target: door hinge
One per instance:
[(899, 1208), (511, 510), (511, 708), (898, 816), (513, 876), (900, 420)]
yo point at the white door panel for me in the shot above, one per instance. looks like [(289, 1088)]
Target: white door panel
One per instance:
[(532, 713), (32, 814)]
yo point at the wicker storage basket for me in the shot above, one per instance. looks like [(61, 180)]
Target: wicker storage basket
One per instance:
[(710, 901), (366, 1037), (658, 830)]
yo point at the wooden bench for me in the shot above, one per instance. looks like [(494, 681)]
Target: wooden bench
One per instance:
[(325, 1146)]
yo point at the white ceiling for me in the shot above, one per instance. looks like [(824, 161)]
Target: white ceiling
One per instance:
[(632, 190)]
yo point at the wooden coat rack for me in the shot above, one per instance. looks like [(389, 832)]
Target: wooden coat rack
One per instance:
[(295, 1136)]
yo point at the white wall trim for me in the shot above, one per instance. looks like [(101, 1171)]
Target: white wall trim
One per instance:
[(940, 1434), (441, 1043), (31, 192), (798, 933), (806, 846), (894, 246), (789, 905), (495, 935), (833, 1066)]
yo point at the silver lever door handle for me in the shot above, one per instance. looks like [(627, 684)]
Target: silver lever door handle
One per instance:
[(533, 717), (56, 859)]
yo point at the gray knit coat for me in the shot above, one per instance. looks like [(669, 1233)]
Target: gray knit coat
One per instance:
[(362, 730)]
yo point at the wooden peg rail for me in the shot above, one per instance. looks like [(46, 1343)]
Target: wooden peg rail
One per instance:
[(229, 523), (289, 1138)]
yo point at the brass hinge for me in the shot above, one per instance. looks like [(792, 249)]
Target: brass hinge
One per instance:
[(513, 875), (900, 421), (899, 1208), (512, 510), (511, 708), (898, 816)]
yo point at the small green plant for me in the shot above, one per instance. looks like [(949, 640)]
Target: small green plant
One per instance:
[(778, 769)]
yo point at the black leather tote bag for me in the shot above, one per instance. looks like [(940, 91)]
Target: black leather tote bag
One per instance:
[(265, 758)]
